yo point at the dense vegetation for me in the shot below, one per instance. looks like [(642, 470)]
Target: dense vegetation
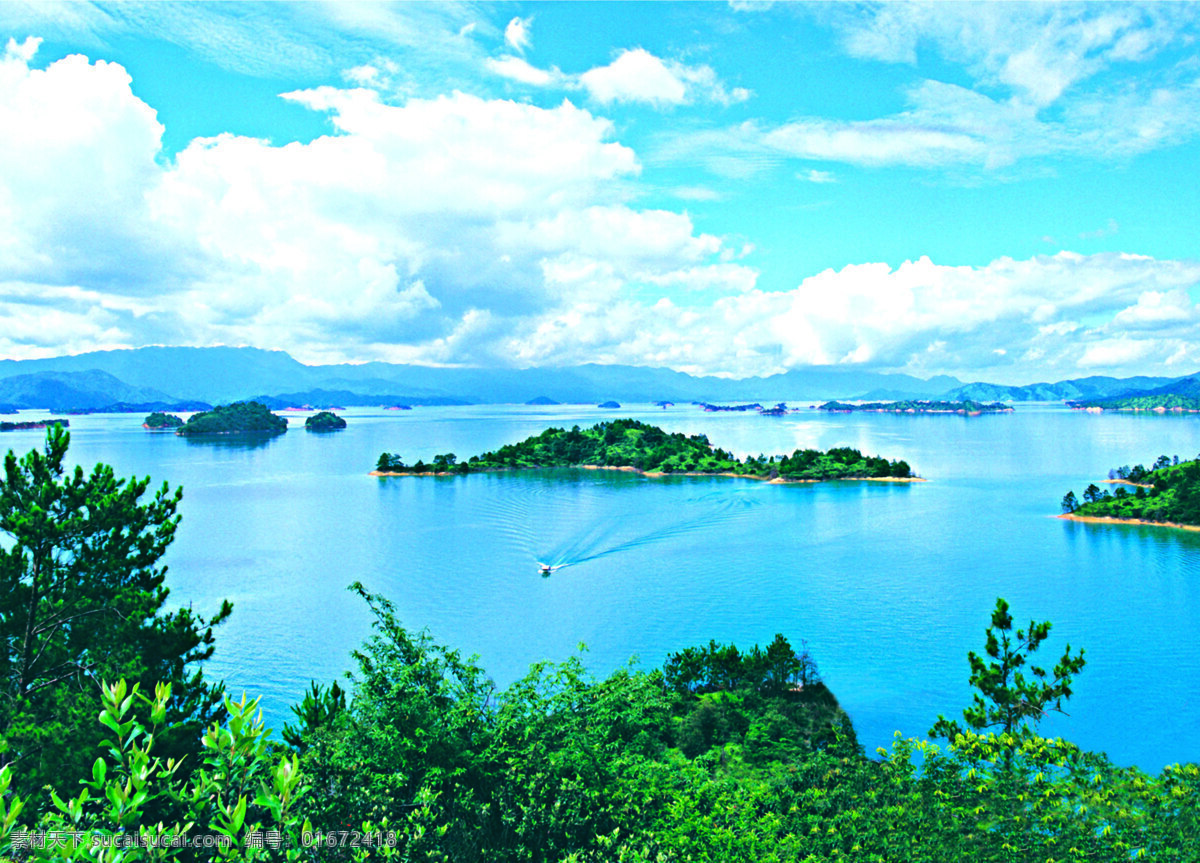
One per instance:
[(161, 421), (83, 599), (629, 443), (1155, 402), (920, 407), (1167, 492), (723, 756), (237, 418), (324, 421)]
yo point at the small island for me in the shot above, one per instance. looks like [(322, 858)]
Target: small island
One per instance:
[(635, 446), (962, 408), (542, 401), (325, 421), (1167, 495), (159, 421), (609, 404), (6, 426), (237, 418)]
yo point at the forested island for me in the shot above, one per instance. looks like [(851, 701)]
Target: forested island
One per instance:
[(1166, 494), (966, 408), (1158, 403), (237, 418), (325, 421), (5, 425), (628, 444), (159, 421)]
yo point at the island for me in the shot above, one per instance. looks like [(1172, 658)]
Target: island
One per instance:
[(711, 408), (542, 401), (1166, 495), (1159, 403), (325, 421), (609, 404), (236, 418), (6, 426), (159, 421), (630, 445), (962, 408)]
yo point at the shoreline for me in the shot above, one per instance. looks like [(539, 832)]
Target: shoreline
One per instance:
[(1108, 519), (658, 474), (1127, 482)]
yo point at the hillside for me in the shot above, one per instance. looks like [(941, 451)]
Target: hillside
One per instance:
[(237, 418), (1178, 395), (83, 390), (1168, 493)]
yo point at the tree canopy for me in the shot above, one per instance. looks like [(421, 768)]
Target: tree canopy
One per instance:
[(82, 596)]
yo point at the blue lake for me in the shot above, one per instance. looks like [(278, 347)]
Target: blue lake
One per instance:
[(889, 584)]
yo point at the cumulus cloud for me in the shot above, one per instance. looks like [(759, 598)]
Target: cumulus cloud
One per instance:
[(460, 229), (635, 76)]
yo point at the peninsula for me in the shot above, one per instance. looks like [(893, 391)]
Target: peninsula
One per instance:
[(237, 418), (31, 424), (1159, 403), (631, 445), (963, 408), (1168, 495)]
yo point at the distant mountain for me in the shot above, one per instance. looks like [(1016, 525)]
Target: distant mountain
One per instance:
[(542, 401), (346, 398), (84, 390), (222, 375), (1093, 387), (1182, 394)]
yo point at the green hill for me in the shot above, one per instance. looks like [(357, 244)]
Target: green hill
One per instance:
[(628, 443), (324, 421), (237, 418), (1167, 493)]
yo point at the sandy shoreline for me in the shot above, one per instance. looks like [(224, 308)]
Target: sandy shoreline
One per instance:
[(1127, 482), (657, 474), (1105, 519)]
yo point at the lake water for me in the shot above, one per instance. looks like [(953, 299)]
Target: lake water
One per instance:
[(890, 584)]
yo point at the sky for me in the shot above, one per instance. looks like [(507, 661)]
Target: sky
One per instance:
[(1002, 192)]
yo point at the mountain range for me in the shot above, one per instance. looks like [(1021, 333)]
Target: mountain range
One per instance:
[(166, 378)]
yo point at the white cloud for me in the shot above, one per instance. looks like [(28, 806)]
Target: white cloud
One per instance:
[(815, 176), (636, 75), (517, 69), (517, 34)]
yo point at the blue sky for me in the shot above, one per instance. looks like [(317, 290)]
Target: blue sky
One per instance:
[(997, 191)]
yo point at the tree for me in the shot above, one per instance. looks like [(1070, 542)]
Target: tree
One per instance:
[(1006, 697), (1070, 503), (1091, 494), (81, 598)]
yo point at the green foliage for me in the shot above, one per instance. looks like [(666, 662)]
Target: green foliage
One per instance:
[(632, 444), (1167, 492), (239, 792), (81, 599), (967, 406), (1159, 402), (324, 421), (237, 418), (159, 420), (1007, 698)]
